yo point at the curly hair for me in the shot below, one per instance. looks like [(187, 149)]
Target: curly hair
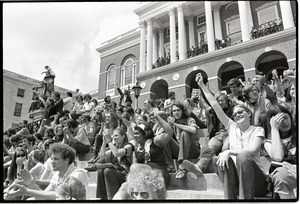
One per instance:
[(185, 113), (66, 151), (148, 177), (72, 187)]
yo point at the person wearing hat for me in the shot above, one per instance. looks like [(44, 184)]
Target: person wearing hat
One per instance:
[(68, 102)]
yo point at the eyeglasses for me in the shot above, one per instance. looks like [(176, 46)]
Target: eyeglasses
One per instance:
[(20, 155), (238, 112), (144, 195)]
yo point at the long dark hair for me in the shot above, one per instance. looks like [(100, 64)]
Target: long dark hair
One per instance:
[(12, 174), (185, 112), (274, 110)]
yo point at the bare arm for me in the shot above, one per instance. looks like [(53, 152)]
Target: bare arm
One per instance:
[(275, 148), (163, 139), (212, 100)]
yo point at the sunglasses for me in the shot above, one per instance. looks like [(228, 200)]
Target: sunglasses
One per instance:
[(20, 155), (144, 195), (238, 112)]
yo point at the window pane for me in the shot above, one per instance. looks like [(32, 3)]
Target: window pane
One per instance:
[(21, 92), (234, 26), (111, 78), (18, 109), (268, 14)]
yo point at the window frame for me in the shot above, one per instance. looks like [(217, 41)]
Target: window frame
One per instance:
[(234, 34), (21, 92), (109, 75), (198, 20), (123, 83), (260, 11), (18, 109)]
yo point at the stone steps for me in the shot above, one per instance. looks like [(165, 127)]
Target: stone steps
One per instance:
[(211, 194)]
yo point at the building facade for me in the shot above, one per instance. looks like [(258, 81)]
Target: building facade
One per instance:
[(17, 98), (177, 40)]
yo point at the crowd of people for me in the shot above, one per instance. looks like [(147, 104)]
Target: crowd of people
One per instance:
[(134, 149), (267, 28)]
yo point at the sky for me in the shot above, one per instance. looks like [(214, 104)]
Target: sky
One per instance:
[(64, 36)]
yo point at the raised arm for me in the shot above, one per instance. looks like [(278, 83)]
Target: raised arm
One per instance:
[(212, 100), (275, 148), (162, 139)]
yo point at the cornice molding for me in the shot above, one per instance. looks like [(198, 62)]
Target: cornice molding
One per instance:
[(266, 5), (231, 18), (119, 42)]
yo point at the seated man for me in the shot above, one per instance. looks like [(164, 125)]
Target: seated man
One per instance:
[(62, 157), (76, 137)]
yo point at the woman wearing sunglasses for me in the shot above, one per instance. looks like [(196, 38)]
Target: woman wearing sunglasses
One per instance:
[(146, 184), (19, 162), (244, 178)]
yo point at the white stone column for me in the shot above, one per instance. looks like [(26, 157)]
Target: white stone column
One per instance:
[(181, 35), (149, 44), (209, 26), (244, 20), (161, 51), (191, 31), (217, 23), (287, 14), (172, 36), (250, 19), (155, 41), (142, 46)]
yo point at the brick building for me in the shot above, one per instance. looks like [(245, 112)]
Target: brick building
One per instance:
[(258, 36)]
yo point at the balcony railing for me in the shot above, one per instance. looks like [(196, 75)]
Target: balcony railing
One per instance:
[(32, 127)]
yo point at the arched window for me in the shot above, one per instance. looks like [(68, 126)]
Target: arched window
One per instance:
[(127, 73), (111, 76)]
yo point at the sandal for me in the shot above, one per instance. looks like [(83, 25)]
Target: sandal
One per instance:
[(181, 173), (171, 169)]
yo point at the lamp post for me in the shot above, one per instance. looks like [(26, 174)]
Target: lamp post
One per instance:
[(137, 90)]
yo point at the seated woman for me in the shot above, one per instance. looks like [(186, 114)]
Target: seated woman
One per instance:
[(281, 144), (19, 161), (71, 189), (244, 178), (118, 160), (149, 147)]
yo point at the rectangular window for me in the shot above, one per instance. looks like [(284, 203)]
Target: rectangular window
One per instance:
[(111, 79), (201, 20), (18, 109), (268, 14), (233, 29), (202, 37), (21, 92), (122, 82)]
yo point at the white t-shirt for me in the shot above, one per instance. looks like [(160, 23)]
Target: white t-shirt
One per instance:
[(239, 140), (80, 174), (68, 103)]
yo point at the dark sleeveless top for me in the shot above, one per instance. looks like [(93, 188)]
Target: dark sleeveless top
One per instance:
[(156, 160)]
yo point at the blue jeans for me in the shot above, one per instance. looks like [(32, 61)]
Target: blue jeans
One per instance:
[(243, 180)]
